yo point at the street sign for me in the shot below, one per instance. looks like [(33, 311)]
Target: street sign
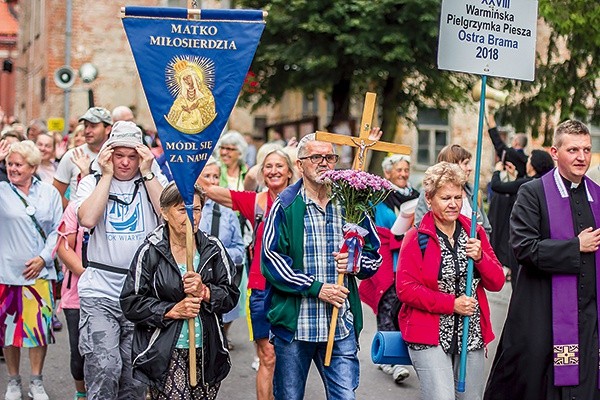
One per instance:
[(56, 124), (489, 37)]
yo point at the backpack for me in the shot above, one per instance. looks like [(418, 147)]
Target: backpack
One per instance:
[(395, 310)]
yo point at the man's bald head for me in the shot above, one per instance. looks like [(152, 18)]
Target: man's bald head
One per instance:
[(122, 113)]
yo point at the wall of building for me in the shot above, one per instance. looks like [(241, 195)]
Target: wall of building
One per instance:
[(9, 30)]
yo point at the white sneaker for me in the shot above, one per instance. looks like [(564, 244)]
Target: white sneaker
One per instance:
[(13, 391), (36, 390), (255, 363), (400, 373), (388, 369)]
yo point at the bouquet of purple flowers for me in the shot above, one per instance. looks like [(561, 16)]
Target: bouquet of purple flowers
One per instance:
[(358, 192)]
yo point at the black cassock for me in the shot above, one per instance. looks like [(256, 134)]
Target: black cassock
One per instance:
[(523, 366), (503, 199)]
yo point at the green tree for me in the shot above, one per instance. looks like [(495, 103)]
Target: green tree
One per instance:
[(345, 47), (567, 72)]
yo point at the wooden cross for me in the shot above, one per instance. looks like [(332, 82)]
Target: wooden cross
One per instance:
[(363, 143)]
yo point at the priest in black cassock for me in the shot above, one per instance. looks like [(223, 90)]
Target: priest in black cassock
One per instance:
[(549, 345)]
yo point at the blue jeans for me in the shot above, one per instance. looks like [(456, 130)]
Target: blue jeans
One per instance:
[(292, 363)]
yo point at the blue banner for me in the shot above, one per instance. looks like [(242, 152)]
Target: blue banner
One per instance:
[(192, 71)]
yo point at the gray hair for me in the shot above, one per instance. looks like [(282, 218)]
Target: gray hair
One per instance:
[(28, 150), (301, 151), (441, 174), (236, 139), (311, 137), (389, 162), (568, 127), (38, 124), (521, 139)]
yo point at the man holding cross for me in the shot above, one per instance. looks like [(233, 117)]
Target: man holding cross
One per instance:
[(301, 261)]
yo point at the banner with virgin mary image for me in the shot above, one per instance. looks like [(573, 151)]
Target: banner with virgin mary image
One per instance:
[(192, 65)]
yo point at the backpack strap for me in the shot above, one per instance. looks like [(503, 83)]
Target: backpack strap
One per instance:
[(423, 240), (216, 220), (260, 208), (98, 175)]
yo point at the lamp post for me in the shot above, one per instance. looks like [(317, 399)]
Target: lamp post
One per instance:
[(88, 73)]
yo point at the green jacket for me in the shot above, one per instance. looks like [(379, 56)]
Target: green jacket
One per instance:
[(282, 264)]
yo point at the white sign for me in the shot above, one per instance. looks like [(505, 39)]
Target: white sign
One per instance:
[(489, 37)]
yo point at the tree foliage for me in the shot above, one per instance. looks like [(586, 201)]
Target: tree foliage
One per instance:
[(346, 47), (567, 73)]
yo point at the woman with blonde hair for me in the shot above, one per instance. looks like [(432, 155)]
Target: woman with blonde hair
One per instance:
[(456, 154), (431, 283), (30, 211)]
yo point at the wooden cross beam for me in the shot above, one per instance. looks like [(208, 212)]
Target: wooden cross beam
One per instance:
[(362, 142)]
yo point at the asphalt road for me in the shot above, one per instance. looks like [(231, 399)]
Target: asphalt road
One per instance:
[(240, 384)]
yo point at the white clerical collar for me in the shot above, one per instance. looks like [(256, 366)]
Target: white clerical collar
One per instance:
[(563, 190)]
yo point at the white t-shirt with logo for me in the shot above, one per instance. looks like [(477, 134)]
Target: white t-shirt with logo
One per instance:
[(117, 236), (67, 172)]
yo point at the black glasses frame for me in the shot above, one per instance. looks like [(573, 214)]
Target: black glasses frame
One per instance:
[(318, 158)]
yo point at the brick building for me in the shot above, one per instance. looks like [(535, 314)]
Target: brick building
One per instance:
[(9, 29)]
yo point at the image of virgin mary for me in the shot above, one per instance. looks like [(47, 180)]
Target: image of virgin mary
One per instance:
[(194, 107)]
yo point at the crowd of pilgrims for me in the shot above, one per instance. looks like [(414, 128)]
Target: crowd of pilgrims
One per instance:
[(237, 188)]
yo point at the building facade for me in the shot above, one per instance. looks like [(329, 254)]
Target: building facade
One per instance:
[(9, 29)]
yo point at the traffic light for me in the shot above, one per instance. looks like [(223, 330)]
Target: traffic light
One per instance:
[(64, 77)]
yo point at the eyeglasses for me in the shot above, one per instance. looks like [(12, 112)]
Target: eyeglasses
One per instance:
[(228, 148), (318, 158)]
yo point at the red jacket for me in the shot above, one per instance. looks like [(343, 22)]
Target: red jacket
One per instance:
[(417, 284)]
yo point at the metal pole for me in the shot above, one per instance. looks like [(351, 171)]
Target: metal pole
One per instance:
[(67, 92), (463, 351)]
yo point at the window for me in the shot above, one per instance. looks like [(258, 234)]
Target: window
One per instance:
[(594, 132), (433, 134), (260, 125), (310, 105)]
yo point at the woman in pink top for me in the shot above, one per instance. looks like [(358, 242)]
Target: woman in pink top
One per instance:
[(68, 248)]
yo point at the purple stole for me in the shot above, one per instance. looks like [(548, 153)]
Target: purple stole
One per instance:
[(564, 286)]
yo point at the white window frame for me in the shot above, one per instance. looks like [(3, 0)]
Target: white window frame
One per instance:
[(431, 147)]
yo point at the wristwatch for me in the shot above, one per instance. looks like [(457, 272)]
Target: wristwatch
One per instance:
[(149, 176)]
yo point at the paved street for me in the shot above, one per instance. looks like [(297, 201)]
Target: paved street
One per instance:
[(240, 382)]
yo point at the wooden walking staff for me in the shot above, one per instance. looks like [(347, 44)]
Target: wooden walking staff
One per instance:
[(363, 143), (189, 261)]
